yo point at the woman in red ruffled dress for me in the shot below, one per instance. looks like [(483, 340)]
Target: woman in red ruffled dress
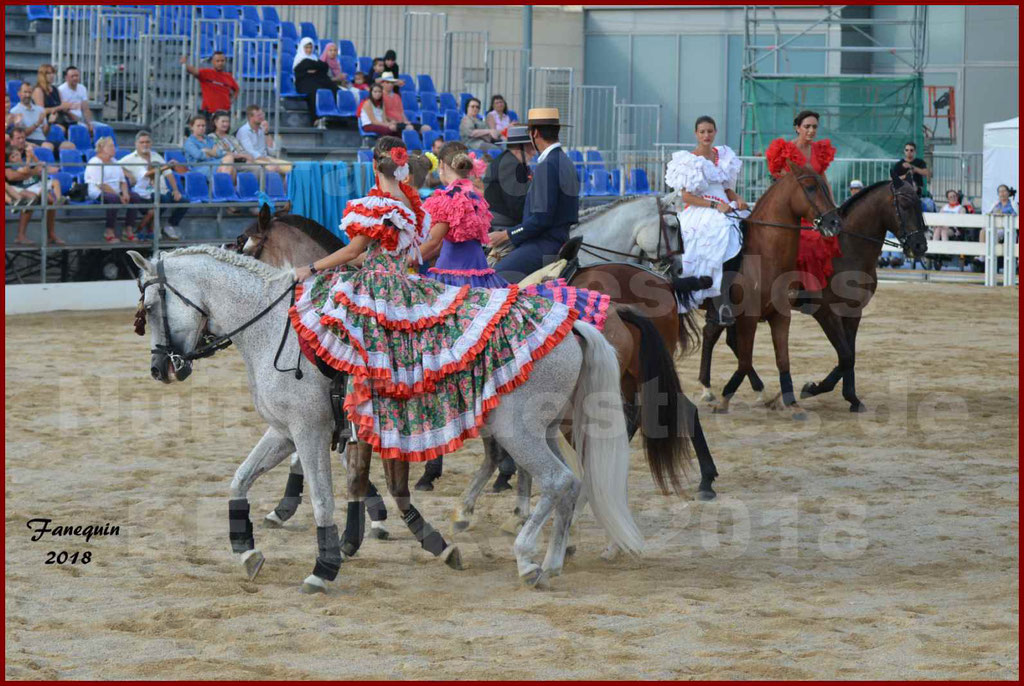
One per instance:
[(426, 360), (814, 260)]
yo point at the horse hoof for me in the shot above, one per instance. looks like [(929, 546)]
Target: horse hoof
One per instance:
[(706, 495), (252, 563), (719, 409), (809, 390), (534, 577), (460, 525), (452, 557), (380, 533), (512, 525), (552, 572), (610, 553), (859, 407), (707, 396), (313, 584), (272, 521), (799, 415), (349, 549), (570, 550)]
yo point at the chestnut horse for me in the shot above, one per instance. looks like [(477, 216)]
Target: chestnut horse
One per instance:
[(867, 216)]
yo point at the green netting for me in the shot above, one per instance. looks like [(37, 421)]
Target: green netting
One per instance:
[(865, 117)]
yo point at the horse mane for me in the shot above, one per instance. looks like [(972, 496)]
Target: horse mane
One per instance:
[(595, 212), (260, 269), (848, 204)]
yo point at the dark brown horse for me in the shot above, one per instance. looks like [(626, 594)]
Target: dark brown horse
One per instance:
[(766, 275), (866, 217)]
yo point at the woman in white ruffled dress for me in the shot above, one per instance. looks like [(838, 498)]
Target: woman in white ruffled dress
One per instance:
[(709, 223)]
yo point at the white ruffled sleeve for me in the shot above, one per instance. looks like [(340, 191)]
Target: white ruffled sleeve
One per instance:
[(730, 164), (685, 172)]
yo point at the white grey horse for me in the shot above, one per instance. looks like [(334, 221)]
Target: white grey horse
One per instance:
[(198, 288), (629, 230)]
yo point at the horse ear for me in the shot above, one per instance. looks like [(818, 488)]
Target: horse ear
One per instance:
[(263, 222), (141, 262), (897, 182)]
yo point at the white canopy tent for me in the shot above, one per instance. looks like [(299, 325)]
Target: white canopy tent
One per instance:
[(1002, 158)]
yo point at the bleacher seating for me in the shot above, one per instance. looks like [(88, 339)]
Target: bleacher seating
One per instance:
[(56, 136), (366, 65), (412, 140), (65, 180), (450, 135), (248, 186), (452, 119), (426, 84), (594, 160), (39, 12), (410, 101), (275, 187), (270, 29), (347, 48), (308, 31), (430, 136), (71, 161), (637, 184), (349, 65), (223, 188), (598, 183), (79, 135), (429, 119), (174, 155), (326, 105), (250, 29), (196, 187), (362, 132), (448, 102), (44, 155), (365, 155), (288, 30), (270, 14), (250, 13), (463, 99), (409, 83), (210, 11), (12, 91), (428, 103), (101, 130), (346, 104)]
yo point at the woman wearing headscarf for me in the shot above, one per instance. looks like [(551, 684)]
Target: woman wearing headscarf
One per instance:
[(311, 74)]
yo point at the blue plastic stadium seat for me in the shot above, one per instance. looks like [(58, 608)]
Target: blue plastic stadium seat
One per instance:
[(250, 13), (412, 140), (56, 135), (413, 116), (123, 152), (288, 30), (270, 14), (363, 95), (410, 101), (429, 119), (12, 91), (101, 130), (250, 29), (494, 153), (362, 132), (64, 179), (366, 65), (322, 44), (448, 102), (38, 12), (599, 183), (463, 99), (224, 188), (79, 135), (326, 105), (616, 180), (90, 153), (288, 86), (231, 11), (364, 155), (270, 29), (430, 136), (346, 104), (71, 161), (426, 84), (450, 135), (44, 154), (308, 31), (174, 155), (275, 187), (258, 60), (594, 160), (637, 183), (349, 65), (248, 186), (513, 116), (210, 11), (196, 187), (428, 103), (346, 48), (409, 83), (452, 119)]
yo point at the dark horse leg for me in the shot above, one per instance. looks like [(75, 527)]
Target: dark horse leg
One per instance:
[(755, 381), (396, 473), (746, 329), (708, 471), (838, 336), (712, 332), (779, 324)]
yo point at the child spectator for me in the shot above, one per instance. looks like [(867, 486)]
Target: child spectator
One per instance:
[(954, 205)]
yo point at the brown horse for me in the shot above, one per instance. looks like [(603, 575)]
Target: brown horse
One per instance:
[(767, 271), (866, 217)]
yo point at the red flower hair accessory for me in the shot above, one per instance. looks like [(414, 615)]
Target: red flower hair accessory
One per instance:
[(399, 156)]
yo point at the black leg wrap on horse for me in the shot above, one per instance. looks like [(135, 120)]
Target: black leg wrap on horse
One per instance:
[(755, 381), (292, 497), (429, 538), (375, 505), (239, 525), (328, 559), (355, 527), (632, 412), (734, 383), (786, 383)]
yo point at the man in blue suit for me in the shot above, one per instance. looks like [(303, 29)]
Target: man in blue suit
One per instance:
[(552, 202)]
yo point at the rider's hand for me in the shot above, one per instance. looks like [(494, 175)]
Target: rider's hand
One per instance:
[(302, 273), (723, 208), (742, 205), (498, 238)]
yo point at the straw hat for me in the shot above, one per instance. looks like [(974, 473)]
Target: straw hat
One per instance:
[(387, 76), (544, 116)]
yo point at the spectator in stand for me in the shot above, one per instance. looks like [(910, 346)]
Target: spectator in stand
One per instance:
[(359, 82), (23, 171), (372, 116), (393, 108), (46, 95), (33, 117), (391, 65), (329, 56), (310, 75), (378, 69), (911, 167), (73, 92), (200, 150), (856, 186), (498, 117), (1005, 205), (222, 135), (10, 120), (107, 183), (954, 205), (474, 131), (141, 166), (217, 84), (257, 142)]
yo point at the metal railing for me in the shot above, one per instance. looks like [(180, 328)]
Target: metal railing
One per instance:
[(638, 126), (166, 95), (257, 71), (551, 87), (465, 62), (506, 75), (422, 50), (593, 118)]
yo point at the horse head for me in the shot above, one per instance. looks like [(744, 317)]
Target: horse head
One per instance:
[(812, 200), (910, 227), (250, 242)]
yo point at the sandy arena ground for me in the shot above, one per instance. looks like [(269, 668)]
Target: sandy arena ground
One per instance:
[(882, 545)]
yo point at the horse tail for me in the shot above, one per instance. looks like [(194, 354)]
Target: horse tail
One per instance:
[(599, 435), (666, 438), (689, 331)]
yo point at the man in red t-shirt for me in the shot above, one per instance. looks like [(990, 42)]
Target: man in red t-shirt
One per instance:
[(218, 85)]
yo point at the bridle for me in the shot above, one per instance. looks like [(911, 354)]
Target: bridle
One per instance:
[(663, 237), (903, 237), (210, 344), (819, 216)]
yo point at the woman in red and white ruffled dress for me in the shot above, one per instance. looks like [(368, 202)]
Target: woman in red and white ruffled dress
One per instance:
[(427, 361), (814, 260)]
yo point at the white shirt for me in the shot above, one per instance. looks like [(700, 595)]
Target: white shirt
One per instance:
[(111, 174), (543, 156), (29, 116), (79, 95), (364, 115), (136, 165), (255, 142)]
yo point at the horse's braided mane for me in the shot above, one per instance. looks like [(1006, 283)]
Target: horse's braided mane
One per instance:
[(264, 271), (594, 212), (848, 204)]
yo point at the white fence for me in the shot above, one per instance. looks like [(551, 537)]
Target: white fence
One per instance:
[(993, 225)]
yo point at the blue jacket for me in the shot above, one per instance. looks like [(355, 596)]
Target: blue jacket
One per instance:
[(552, 201)]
